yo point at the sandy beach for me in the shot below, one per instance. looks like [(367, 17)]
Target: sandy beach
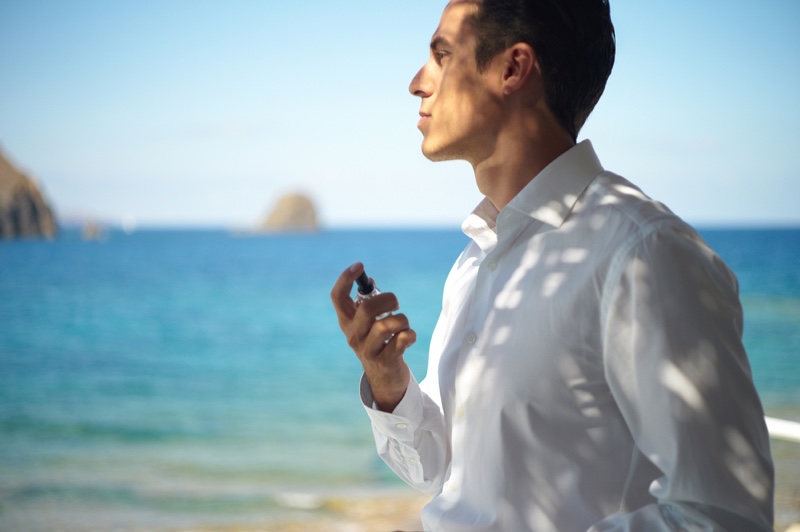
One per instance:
[(787, 490), (351, 513)]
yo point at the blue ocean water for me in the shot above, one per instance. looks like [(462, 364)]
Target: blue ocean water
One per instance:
[(174, 377)]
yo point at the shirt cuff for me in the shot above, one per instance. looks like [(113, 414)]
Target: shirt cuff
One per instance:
[(401, 423)]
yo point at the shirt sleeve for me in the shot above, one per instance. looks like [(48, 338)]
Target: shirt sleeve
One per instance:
[(676, 366), (411, 439)]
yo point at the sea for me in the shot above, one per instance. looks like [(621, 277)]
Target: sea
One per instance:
[(176, 378)]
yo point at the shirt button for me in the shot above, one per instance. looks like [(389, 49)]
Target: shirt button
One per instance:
[(471, 338), (453, 487), (460, 412), (492, 266), (401, 426)]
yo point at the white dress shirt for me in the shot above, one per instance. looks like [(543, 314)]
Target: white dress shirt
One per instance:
[(586, 373)]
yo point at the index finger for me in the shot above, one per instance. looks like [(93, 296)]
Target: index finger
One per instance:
[(340, 295)]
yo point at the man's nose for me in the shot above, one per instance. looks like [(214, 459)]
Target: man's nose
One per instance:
[(421, 85)]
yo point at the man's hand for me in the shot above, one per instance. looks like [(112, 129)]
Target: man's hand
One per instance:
[(378, 344)]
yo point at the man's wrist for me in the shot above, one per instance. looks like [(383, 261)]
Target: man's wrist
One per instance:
[(387, 397)]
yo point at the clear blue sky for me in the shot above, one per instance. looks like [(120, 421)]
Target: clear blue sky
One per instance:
[(203, 113)]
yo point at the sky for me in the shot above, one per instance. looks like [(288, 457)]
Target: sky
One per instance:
[(203, 113)]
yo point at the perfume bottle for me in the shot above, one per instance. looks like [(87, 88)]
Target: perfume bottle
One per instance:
[(366, 290)]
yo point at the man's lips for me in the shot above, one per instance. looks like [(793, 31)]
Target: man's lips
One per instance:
[(423, 118)]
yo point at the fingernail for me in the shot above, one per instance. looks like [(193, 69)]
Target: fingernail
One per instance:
[(355, 267)]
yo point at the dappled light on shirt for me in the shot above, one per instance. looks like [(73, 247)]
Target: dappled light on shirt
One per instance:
[(743, 461), (676, 381)]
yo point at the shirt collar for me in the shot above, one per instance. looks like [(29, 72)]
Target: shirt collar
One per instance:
[(549, 197), (552, 194), (480, 225)]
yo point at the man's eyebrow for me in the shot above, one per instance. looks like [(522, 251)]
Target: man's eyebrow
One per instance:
[(439, 42)]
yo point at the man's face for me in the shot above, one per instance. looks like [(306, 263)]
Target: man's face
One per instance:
[(460, 106)]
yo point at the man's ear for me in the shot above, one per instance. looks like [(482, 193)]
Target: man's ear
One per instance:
[(520, 66)]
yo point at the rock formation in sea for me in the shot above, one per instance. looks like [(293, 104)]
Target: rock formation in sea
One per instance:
[(292, 213), (23, 209)]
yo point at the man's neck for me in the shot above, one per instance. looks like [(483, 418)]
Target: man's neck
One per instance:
[(522, 150)]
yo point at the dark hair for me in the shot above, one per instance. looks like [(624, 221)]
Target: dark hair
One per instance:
[(574, 42)]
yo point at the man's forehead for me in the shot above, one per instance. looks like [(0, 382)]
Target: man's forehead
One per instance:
[(453, 17)]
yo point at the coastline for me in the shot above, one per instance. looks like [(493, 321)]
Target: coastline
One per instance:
[(399, 509), (326, 509)]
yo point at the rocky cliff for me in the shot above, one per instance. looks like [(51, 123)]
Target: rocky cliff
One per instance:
[(23, 210), (292, 213)]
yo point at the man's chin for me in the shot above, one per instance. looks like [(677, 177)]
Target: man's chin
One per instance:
[(437, 153)]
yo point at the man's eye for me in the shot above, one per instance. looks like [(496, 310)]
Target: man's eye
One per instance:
[(439, 57)]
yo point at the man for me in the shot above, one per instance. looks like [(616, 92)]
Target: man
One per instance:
[(587, 370)]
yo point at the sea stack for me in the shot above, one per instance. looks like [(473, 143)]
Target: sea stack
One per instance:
[(23, 211), (293, 213)]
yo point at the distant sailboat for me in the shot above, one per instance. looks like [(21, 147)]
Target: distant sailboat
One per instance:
[(92, 231)]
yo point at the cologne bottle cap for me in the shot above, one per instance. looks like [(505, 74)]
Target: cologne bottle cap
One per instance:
[(365, 286)]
